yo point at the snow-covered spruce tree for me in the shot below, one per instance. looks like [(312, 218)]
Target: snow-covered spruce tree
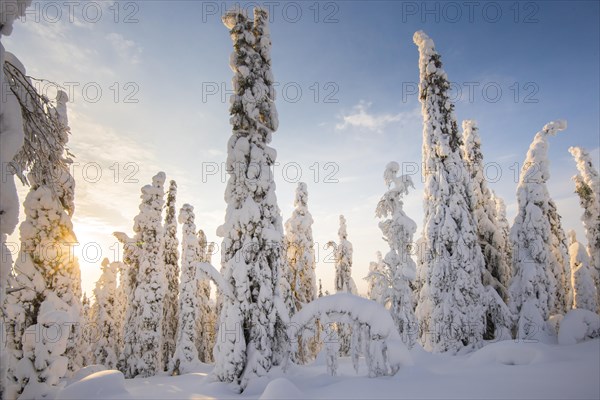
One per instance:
[(585, 291), (105, 348), (171, 255), (399, 268), (299, 286), (562, 267), (300, 250), (12, 137), (451, 306), (121, 305), (587, 187), (252, 254), (535, 289), (186, 353), (88, 332), (128, 281), (343, 261), (46, 272), (205, 321), (491, 241), (344, 283), (143, 347), (503, 229), (377, 280)]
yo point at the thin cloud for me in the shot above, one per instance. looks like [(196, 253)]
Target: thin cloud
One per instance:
[(126, 49), (361, 118)]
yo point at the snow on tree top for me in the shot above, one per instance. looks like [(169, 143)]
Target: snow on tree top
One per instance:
[(424, 42), (552, 128), (159, 179), (9, 11)]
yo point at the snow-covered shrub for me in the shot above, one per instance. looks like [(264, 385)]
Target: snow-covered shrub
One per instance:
[(368, 318), (578, 326)]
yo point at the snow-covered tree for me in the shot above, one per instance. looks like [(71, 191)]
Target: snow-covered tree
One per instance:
[(585, 291), (46, 272), (377, 280), (12, 137), (143, 344), (121, 304), (128, 282), (399, 268), (300, 250), (344, 283), (503, 230), (491, 241), (535, 289), (587, 187), (299, 284), (89, 333), (252, 254), (105, 350), (451, 305), (186, 353), (171, 255), (343, 261), (205, 322)]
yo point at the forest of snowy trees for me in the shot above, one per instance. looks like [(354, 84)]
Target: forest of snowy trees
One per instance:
[(468, 278)]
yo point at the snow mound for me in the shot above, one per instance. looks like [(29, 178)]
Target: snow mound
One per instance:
[(280, 389), (85, 372), (100, 385), (577, 326), (507, 353)]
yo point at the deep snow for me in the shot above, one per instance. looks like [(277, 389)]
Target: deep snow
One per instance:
[(507, 369)]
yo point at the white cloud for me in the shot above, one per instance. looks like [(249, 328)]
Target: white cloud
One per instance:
[(361, 118), (126, 49)]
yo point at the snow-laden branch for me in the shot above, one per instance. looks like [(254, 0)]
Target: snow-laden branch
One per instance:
[(45, 128), (208, 270)]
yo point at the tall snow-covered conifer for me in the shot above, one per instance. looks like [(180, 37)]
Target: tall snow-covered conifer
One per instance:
[(503, 229), (400, 269), (171, 255), (451, 304), (47, 276), (300, 286), (535, 289), (585, 291), (205, 322), (186, 353), (252, 254), (12, 136), (484, 210), (105, 349), (344, 283), (143, 345), (300, 250), (587, 187), (492, 240)]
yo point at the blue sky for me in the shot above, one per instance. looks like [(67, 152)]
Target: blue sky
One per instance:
[(346, 72)]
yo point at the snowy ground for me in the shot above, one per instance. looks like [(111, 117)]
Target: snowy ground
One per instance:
[(501, 370)]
